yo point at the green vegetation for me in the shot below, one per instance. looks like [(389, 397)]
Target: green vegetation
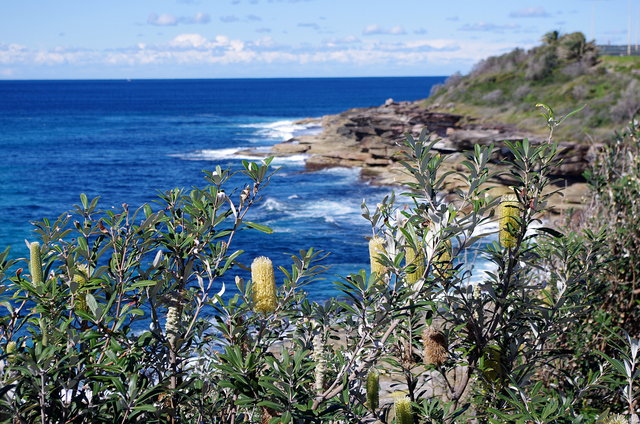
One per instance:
[(564, 71), (538, 339)]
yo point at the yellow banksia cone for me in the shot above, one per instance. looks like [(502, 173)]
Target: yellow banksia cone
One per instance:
[(404, 414), (318, 357), (435, 347), (376, 248), (10, 351), (509, 214), (616, 419), (416, 260), (492, 368), (442, 260), (81, 278), (373, 390), (264, 285), (35, 263), (172, 325)]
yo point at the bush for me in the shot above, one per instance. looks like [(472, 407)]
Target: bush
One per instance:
[(455, 349)]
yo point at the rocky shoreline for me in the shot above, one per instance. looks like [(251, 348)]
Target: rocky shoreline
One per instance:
[(372, 139)]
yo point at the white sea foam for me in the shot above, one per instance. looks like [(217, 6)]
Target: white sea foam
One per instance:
[(329, 210), (271, 204), (215, 154), (282, 130)]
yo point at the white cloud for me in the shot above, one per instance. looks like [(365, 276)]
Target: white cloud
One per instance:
[(193, 49), (378, 30), (488, 27), (167, 19), (529, 12)]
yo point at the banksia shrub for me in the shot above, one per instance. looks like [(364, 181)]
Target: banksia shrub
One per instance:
[(404, 414), (35, 263), (264, 285), (509, 215), (435, 347), (416, 260), (373, 390), (376, 247)]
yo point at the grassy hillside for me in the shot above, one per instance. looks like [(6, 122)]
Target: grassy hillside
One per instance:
[(564, 72)]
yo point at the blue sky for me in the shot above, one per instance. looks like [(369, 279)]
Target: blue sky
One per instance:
[(68, 39)]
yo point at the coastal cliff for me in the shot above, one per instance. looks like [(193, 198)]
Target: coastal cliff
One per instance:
[(372, 138)]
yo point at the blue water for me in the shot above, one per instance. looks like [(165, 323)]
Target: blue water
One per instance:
[(126, 140)]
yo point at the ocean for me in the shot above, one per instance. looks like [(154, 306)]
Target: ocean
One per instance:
[(127, 140)]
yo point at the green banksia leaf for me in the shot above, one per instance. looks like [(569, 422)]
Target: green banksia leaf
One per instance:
[(435, 347), (35, 263), (373, 390), (264, 285), (442, 260), (509, 214), (376, 248), (416, 260), (404, 414)]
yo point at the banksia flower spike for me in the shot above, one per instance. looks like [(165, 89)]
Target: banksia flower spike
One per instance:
[(373, 390), (442, 260), (404, 414), (81, 279), (435, 347), (264, 285), (416, 260), (172, 325), (318, 357), (492, 364), (10, 351), (376, 247), (509, 214), (35, 263), (616, 419)]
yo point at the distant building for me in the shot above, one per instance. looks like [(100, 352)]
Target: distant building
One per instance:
[(620, 50)]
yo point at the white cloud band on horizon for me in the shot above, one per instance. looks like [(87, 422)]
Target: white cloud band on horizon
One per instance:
[(193, 49)]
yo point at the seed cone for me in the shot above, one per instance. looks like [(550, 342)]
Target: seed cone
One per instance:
[(264, 285), (35, 263), (442, 260), (417, 260), (404, 414), (376, 247), (373, 390), (509, 214), (435, 347)]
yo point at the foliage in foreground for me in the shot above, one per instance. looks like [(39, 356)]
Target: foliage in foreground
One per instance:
[(450, 346)]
